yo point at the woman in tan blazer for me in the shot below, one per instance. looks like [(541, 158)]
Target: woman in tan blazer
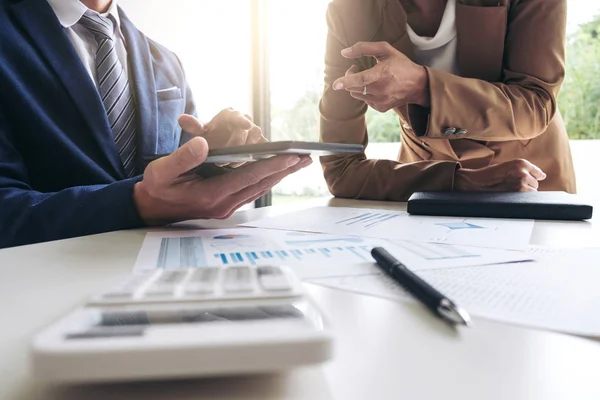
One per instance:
[(486, 119)]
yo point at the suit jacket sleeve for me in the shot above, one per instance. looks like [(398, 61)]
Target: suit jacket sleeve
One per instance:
[(343, 121), (522, 104), (28, 216)]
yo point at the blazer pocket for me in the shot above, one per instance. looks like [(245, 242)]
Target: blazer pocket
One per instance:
[(171, 105), (173, 93), (481, 33)]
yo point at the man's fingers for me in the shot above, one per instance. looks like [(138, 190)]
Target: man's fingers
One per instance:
[(238, 137), (360, 79), (262, 187), (188, 156), (243, 203), (254, 135), (369, 49), (191, 124), (252, 173), (239, 121)]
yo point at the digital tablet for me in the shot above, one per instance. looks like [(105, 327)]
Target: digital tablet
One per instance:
[(253, 152)]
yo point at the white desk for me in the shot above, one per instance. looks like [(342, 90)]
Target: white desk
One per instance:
[(384, 349)]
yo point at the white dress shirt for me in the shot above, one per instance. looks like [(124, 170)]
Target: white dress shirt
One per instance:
[(69, 13), (440, 51)]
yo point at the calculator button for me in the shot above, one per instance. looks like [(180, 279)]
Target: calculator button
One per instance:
[(193, 289), (201, 282), (270, 270), (118, 294), (272, 279), (136, 282), (274, 283), (172, 277), (238, 279), (204, 275), (160, 290)]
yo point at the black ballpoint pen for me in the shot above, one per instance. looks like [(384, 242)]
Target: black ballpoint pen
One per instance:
[(431, 298)]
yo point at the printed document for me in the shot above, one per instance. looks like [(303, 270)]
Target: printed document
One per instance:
[(311, 255), (547, 294), (377, 223)]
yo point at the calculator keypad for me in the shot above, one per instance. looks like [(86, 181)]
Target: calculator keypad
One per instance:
[(209, 283), (272, 279)]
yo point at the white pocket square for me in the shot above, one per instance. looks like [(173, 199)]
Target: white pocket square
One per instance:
[(167, 90)]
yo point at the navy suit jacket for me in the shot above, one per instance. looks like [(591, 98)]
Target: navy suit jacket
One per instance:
[(60, 172)]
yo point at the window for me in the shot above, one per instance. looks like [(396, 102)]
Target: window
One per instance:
[(579, 99), (214, 42)]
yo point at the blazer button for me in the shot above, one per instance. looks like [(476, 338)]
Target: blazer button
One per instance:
[(449, 131), (461, 132)]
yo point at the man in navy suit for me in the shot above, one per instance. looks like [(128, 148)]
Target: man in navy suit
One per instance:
[(84, 98)]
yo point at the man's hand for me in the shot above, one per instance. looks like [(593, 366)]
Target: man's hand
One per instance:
[(395, 81), (165, 195), (227, 128), (512, 176)]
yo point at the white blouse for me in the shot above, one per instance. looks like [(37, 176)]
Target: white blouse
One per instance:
[(438, 52)]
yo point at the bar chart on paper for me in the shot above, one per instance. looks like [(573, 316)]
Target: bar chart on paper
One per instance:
[(292, 255), (337, 220), (311, 254), (479, 232), (368, 219)]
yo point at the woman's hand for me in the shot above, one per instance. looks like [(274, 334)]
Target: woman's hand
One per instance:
[(512, 176), (395, 80)]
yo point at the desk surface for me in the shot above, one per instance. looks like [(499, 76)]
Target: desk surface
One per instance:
[(384, 349)]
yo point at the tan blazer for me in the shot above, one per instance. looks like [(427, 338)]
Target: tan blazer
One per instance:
[(511, 58)]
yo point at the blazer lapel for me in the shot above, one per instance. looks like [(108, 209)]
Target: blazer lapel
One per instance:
[(142, 78), (394, 17), (38, 19)]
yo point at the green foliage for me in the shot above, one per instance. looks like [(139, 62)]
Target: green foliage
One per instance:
[(579, 99), (301, 122), (383, 127)]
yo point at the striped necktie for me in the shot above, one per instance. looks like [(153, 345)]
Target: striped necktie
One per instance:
[(114, 89)]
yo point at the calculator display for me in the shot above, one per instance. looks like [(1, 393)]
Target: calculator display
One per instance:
[(134, 322)]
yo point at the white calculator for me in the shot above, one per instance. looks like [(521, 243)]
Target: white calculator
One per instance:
[(183, 323)]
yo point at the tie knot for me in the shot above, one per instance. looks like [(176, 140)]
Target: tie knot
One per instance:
[(101, 27)]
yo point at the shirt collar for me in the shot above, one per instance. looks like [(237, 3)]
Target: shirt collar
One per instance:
[(69, 12)]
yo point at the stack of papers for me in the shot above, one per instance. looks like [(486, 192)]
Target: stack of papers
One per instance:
[(485, 265)]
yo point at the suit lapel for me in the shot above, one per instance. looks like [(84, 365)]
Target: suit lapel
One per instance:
[(37, 18), (142, 78)]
